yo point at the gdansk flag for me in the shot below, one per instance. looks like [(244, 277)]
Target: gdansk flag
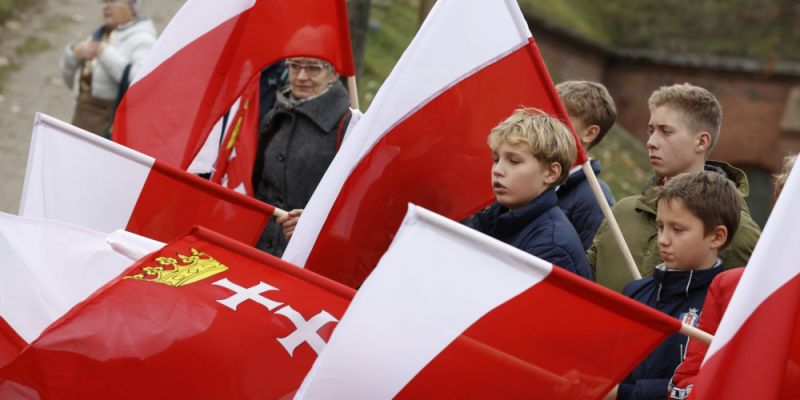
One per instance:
[(203, 318)]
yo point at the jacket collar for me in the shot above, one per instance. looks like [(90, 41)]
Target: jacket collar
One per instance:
[(682, 284), (578, 176), (510, 222), (647, 201), (318, 109)]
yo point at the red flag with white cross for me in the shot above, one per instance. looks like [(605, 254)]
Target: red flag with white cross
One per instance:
[(204, 317)]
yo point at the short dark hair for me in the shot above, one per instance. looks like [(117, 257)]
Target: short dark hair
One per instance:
[(591, 103), (710, 196)]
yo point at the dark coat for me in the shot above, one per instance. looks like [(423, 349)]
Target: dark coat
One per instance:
[(297, 143), (576, 199), (539, 228), (680, 294)]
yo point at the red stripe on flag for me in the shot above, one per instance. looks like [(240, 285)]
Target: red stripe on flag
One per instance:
[(437, 158), (172, 201), (169, 112), (550, 354), (762, 361), (11, 344)]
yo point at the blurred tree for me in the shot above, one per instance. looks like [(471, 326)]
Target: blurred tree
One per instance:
[(358, 12)]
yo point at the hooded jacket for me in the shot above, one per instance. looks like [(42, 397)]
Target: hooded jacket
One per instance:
[(127, 44), (680, 294), (636, 216), (576, 199), (539, 228)]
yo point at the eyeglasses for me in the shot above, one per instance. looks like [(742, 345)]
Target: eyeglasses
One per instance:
[(312, 69)]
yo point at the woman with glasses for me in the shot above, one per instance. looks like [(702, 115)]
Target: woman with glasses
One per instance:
[(298, 138), (97, 66)]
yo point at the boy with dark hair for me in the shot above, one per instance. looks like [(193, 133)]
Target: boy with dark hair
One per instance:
[(696, 213), (684, 126), (592, 112), (532, 153)]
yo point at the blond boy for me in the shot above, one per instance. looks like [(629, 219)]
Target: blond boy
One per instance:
[(532, 153)]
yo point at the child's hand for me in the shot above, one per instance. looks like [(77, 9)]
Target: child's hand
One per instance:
[(289, 222)]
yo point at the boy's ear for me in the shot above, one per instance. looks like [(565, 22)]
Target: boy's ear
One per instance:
[(553, 173), (720, 236), (592, 131), (703, 142)]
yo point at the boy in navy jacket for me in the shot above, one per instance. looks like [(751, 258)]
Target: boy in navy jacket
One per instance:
[(592, 112), (696, 217), (532, 153)]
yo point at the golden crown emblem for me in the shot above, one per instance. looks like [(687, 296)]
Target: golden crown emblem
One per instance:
[(191, 269)]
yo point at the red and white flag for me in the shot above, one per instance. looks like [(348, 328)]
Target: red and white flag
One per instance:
[(451, 313), (203, 318), (81, 178), (755, 353), (237, 154), (206, 56), (423, 139), (47, 267)]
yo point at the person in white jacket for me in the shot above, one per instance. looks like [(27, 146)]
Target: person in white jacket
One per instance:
[(96, 66)]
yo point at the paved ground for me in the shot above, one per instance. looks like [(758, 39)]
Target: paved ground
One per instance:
[(34, 41)]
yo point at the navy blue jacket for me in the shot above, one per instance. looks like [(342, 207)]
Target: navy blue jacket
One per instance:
[(539, 228), (576, 199), (680, 294)]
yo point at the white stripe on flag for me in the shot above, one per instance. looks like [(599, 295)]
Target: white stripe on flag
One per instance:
[(49, 266), (77, 177), (193, 20), (486, 274)]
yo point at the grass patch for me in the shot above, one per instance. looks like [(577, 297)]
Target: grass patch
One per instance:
[(33, 45), (7, 8), (5, 72), (56, 22), (625, 163)]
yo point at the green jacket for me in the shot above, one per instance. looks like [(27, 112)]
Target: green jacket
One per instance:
[(636, 216)]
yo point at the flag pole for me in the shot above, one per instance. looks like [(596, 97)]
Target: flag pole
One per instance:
[(280, 213), (352, 88), (695, 333), (612, 222)]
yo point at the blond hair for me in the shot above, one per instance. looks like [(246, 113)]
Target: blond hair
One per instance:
[(702, 110), (591, 103), (547, 138)]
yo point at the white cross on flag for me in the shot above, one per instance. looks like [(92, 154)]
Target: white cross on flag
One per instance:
[(203, 318), (450, 313)]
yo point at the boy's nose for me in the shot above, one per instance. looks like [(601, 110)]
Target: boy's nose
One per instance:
[(652, 142)]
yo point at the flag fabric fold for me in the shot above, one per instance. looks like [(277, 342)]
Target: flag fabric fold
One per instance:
[(205, 317), (207, 55), (451, 313), (81, 178), (423, 139), (48, 267), (755, 353)]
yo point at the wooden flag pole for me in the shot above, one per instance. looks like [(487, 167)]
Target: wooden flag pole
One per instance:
[(612, 222), (279, 213), (353, 89), (695, 333)]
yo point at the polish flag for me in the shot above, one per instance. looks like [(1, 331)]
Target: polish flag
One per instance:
[(451, 313), (234, 166), (205, 317), (755, 353), (47, 267), (423, 139), (81, 178), (206, 56)]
